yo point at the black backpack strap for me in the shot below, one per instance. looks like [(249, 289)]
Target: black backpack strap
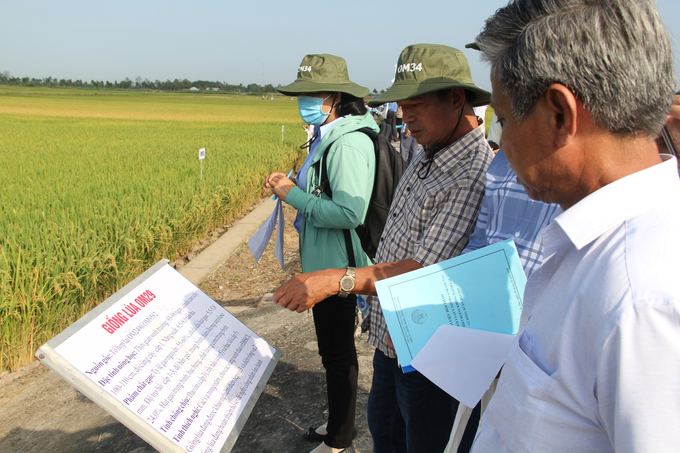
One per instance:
[(350, 250), (322, 170)]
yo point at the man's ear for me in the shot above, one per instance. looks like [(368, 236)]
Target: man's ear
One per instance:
[(562, 106), (457, 97)]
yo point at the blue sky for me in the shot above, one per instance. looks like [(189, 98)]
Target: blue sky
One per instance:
[(254, 41)]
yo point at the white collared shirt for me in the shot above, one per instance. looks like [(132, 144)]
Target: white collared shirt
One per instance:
[(596, 367)]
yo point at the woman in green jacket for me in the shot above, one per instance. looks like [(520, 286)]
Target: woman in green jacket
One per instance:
[(334, 105)]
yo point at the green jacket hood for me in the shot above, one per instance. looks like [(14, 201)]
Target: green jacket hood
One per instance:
[(350, 123)]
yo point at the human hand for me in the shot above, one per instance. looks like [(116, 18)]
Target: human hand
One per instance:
[(279, 184), (306, 290)]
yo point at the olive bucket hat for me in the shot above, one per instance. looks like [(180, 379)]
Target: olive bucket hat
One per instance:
[(424, 68), (323, 72)]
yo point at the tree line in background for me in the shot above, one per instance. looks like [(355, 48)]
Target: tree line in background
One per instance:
[(137, 84)]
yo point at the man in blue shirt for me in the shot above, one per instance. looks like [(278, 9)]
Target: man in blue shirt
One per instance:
[(507, 213)]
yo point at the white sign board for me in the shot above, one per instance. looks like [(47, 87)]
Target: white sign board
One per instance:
[(167, 361), (201, 153)]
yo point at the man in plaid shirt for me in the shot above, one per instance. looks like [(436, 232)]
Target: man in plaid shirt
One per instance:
[(435, 210)]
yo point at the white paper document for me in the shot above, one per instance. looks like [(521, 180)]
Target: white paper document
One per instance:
[(480, 290), (463, 362), (170, 360)]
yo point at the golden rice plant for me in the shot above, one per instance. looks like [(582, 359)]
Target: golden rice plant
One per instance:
[(98, 187)]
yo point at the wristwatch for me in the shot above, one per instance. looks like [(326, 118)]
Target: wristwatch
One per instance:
[(347, 282)]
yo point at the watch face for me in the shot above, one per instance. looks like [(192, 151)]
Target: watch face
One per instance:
[(346, 284)]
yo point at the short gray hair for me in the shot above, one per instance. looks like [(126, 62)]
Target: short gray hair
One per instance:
[(614, 55)]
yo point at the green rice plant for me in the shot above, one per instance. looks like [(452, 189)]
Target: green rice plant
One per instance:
[(97, 188)]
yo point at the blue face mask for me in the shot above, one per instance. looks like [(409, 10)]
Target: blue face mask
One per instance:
[(311, 109)]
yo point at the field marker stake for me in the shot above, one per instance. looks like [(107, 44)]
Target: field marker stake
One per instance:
[(201, 156)]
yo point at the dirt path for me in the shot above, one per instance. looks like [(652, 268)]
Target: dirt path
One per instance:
[(40, 412)]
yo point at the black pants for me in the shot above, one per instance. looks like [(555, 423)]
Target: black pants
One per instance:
[(385, 130), (408, 413), (334, 320), (408, 146), (391, 119)]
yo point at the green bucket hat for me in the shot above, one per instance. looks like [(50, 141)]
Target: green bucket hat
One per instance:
[(423, 68), (323, 72)]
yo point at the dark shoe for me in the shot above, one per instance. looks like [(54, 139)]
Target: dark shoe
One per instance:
[(312, 436)]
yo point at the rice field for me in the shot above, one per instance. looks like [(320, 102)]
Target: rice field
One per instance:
[(97, 186)]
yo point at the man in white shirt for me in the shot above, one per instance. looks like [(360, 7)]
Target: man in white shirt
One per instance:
[(581, 89)]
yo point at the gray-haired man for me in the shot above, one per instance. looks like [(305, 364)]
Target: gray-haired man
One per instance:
[(581, 88)]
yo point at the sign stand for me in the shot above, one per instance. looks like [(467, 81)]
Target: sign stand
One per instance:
[(166, 361)]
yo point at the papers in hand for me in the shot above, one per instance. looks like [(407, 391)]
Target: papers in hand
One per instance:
[(480, 290), (463, 362)]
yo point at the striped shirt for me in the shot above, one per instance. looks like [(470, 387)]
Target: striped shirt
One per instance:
[(431, 219), (509, 213)]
